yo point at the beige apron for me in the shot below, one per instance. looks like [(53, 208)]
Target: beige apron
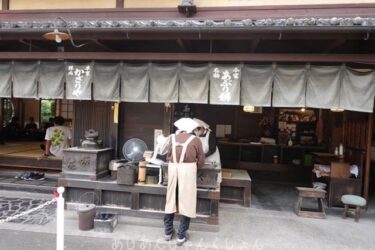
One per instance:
[(185, 174)]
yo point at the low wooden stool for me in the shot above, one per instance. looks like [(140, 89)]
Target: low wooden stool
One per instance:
[(310, 193), (236, 187), (355, 201)]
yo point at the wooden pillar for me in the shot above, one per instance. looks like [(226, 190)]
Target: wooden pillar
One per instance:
[(114, 127), (1, 116), (168, 119), (235, 122), (119, 4), (368, 158), (5, 5)]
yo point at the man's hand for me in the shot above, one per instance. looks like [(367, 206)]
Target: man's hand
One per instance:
[(43, 157)]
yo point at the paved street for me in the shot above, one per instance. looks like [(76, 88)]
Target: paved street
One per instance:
[(240, 228)]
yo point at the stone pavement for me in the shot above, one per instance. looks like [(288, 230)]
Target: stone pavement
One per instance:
[(10, 206), (240, 228)]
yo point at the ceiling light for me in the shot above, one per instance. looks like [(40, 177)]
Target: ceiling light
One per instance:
[(249, 109), (56, 36), (337, 110)]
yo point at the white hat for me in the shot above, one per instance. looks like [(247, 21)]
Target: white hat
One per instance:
[(202, 123), (186, 124)]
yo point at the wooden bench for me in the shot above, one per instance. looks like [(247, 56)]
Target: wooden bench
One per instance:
[(314, 193), (236, 187)]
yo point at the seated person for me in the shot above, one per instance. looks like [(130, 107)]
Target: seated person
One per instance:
[(31, 125), (13, 129), (48, 124), (57, 138)]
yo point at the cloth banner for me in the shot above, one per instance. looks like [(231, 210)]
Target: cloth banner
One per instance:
[(134, 83), (78, 80), (256, 85), (357, 91), (225, 84), (193, 84), (25, 78), (106, 82), (163, 83), (289, 86), (323, 86), (5, 79), (51, 80)]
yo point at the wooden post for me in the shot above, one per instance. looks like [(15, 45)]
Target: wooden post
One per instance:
[(119, 4), (1, 113), (168, 118), (368, 158), (5, 5)]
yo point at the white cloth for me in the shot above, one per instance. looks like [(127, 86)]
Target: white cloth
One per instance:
[(25, 77), (78, 77), (256, 85), (185, 175), (289, 86), (163, 82), (51, 80), (323, 86), (106, 82), (134, 83), (59, 136), (193, 84), (202, 123), (186, 124), (357, 91), (225, 84), (213, 158), (5, 79)]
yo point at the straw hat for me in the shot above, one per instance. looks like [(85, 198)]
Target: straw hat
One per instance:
[(186, 124)]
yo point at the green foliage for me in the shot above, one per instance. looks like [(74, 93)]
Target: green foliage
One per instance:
[(47, 110)]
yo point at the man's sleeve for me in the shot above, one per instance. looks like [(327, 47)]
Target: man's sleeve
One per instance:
[(200, 153), (48, 135)]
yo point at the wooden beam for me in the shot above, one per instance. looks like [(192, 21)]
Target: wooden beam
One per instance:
[(254, 45), (198, 57), (120, 4), (366, 176), (5, 5), (334, 45), (116, 35), (215, 13), (102, 45), (31, 45)]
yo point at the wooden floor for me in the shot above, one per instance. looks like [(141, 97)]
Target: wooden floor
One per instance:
[(24, 155), (21, 149)]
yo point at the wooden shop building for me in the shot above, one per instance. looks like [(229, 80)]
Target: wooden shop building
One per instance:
[(268, 79)]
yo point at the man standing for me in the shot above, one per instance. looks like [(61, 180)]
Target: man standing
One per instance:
[(185, 154), (57, 138)]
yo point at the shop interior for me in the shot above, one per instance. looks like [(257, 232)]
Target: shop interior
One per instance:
[(279, 147)]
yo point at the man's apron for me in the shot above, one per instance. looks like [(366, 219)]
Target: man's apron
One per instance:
[(215, 157), (185, 174)]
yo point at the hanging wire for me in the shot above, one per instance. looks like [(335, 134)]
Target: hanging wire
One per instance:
[(70, 34)]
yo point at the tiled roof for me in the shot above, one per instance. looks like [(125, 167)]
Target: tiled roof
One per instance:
[(192, 24)]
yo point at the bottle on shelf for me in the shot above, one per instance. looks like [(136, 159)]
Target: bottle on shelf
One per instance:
[(290, 142), (341, 150), (336, 151)]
